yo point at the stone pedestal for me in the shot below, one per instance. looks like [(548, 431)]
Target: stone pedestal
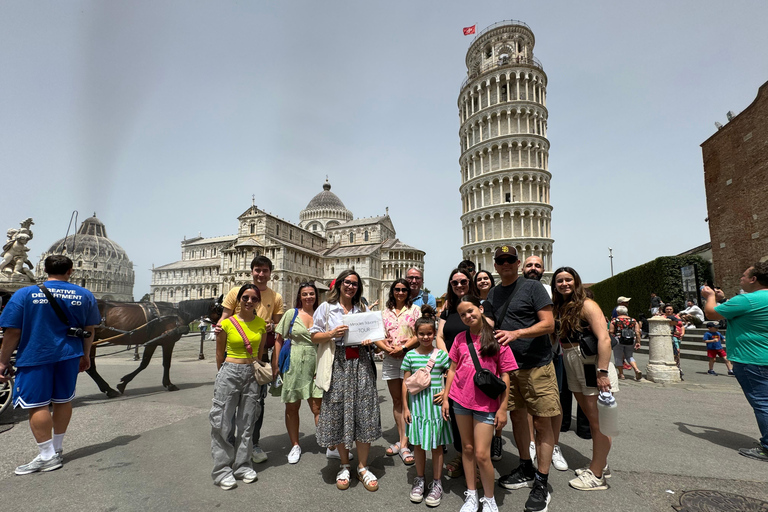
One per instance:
[(13, 282), (661, 361)]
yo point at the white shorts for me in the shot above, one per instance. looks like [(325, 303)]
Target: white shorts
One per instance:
[(574, 371), (390, 368)]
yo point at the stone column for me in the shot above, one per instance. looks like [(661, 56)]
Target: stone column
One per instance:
[(661, 362)]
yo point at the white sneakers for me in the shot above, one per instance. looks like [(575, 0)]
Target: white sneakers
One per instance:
[(294, 455), (334, 454), (558, 461), (250, 476), (228, 482), (470, 502), (532, 451), (258, 455)]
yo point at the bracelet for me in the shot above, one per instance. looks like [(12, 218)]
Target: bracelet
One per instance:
[(602, 371)]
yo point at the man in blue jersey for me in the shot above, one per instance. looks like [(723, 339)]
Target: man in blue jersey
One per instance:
[(53, 346)]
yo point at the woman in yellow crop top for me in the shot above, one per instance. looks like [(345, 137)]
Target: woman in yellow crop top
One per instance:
[(236, 392)]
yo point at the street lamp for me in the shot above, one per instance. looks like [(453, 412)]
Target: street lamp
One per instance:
[(610, 256)]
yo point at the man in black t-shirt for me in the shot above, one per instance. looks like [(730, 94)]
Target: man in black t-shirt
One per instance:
[(525, 326)]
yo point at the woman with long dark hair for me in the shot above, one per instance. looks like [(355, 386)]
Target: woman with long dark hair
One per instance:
[(298, 380), (577, 316), (350, 409), (399, 318), (460, 283), (236, 392), (483, 283)]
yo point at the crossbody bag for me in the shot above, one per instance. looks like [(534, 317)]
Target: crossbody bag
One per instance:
[(261, 370), (488, 382), (284, 359)]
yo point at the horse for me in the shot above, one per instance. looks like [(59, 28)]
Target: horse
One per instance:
[(151, 324)]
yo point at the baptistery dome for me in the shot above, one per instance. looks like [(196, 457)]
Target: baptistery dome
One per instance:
[(323, 211), (101, 265)]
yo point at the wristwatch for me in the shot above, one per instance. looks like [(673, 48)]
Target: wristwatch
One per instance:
[(602, 371)]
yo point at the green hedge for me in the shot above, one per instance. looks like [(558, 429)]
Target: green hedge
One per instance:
[(661, 276)]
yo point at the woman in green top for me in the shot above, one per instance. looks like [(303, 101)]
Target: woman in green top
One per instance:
[(299, 380)]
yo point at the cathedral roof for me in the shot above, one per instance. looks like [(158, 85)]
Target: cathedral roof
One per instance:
[(326, 200)]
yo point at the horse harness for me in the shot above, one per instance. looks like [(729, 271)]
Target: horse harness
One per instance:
[(152, 315)]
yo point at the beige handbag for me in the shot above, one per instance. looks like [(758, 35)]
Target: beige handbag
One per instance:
[(325, 354), (261, 370), (421, 378)]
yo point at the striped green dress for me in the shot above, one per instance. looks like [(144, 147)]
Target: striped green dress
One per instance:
[(427, 429)]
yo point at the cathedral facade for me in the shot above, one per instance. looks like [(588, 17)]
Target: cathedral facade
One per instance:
[(327, 240)]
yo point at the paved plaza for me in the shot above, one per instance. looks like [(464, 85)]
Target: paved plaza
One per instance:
[(150, 450)]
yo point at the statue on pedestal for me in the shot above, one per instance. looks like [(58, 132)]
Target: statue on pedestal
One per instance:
[(15, 255)]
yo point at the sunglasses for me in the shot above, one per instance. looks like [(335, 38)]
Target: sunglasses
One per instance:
[(501, 261), (463, 282), (413, 278), (308, 283), (351, 284), (401, 290), (248, 298)]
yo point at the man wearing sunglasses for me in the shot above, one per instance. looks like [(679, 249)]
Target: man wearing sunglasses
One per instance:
[(415, 278), (524, 320), (270, 309)]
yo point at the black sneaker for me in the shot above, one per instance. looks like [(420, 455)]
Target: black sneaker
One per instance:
[(517, 479), (496, 448), (538, 500)]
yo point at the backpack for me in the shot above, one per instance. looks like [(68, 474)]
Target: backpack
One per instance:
[(627, 334)]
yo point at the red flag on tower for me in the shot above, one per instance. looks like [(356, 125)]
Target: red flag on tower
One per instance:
[(469, 30)]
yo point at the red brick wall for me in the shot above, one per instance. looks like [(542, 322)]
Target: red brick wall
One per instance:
[(736, 183)]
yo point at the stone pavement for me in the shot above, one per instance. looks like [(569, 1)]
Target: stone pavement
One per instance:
[(150, 450)]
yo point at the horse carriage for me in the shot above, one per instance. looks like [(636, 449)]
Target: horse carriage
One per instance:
[(151, 324)]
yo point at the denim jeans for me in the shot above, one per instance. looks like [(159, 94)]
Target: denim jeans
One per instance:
[(753, 379), (235, 407)]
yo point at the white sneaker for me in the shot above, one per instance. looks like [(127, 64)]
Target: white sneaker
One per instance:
[(587, 481), (470, 502), (334, 454), (558, 461), (294, 455), (258, 456), (489, 504), (532, 451), (606, 471), (228, 482), (250, 476)]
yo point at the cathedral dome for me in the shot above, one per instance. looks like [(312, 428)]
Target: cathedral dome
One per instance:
[(101, 265), (326, 200), (323, 211)]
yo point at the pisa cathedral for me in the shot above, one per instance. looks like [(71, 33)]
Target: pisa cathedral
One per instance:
[(504, 158), (327, 240)]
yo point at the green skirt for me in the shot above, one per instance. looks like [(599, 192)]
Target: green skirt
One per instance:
[(299, 380)]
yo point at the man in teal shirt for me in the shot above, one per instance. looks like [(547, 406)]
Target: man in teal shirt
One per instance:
[(747, 316)]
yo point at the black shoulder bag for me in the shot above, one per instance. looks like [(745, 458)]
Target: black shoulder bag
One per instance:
[(488, 383), (72, 332)]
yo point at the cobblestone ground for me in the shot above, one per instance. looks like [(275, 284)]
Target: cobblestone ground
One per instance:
[(150, 450)]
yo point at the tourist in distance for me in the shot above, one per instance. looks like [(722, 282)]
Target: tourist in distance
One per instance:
[(419, 297), (468, 266), (576, 315), (477, 414), (692, 315), (49, 356), (448, 327), (621, 327), (270, 309), (235, 392), (655, 304), (427, 429), (714, 340), (523, 313), (747, 316), (483, 283), (298, 380), (621, 301), (347, 375), (399, 318), (678, 331)]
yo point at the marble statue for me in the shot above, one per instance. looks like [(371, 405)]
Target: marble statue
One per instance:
[(15, 254)]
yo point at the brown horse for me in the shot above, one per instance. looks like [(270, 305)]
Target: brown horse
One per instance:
[(151, 324)]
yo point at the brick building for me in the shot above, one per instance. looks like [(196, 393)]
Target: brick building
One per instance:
[(736, 183)]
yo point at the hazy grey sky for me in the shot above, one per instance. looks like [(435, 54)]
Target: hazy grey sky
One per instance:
[(164, 117)]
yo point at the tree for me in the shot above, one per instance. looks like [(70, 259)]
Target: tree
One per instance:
[(146, 298)]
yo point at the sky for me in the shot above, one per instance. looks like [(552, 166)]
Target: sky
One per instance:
[(164, 118)]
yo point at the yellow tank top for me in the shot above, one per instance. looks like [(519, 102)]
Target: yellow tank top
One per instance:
[(254, 329)]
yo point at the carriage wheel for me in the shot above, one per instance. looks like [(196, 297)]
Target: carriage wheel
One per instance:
[(6, 396)]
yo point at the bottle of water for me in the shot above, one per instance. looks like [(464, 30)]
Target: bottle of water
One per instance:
[(608, 413)]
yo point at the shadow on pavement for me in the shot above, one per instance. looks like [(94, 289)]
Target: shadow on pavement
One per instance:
[(131, 393), (87, 451), (718, 436)]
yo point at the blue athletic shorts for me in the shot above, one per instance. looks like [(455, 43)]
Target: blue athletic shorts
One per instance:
[(38, 386)]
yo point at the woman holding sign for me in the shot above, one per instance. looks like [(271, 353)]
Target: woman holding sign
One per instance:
[(350, 408), (399, 319)]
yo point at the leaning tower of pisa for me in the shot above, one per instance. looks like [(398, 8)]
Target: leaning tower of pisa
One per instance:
[(504, 147)]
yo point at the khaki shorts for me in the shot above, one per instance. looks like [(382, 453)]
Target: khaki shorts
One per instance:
[(574, 371), (534, 389)]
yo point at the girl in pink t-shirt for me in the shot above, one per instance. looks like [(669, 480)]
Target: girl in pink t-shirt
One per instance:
[(477, 415)]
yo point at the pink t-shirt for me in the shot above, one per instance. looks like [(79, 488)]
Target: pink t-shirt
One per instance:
[(463, 390)]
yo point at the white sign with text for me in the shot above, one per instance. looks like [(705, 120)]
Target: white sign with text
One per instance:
[(363, 326)]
